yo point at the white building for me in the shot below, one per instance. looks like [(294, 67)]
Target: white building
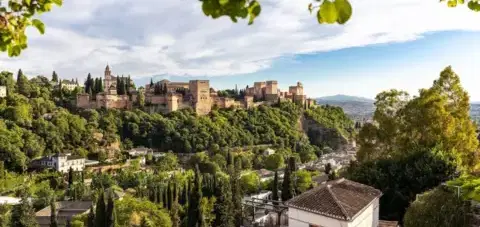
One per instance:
[(69, 84), (9, 200), (63, 163), (268, 152), (3, 91), (339, 203)]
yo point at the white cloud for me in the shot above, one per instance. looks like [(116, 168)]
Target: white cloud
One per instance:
[(151, 37)]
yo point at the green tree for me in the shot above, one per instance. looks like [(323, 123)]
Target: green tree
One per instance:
[(287, 185), (23, 85), (54, 77), (111, 220), (195, 217), (141, 99), (91, 217), (438, 207), (53, 213), (439, 116), (174, 213), (70, 177), (100, 209), (224, 214), (250, 182), (274, 161), (401, 179), (275, 188), (237, 194), (23, 214), (304, 181)]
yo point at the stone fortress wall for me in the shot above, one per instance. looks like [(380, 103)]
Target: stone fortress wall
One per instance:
[(196, 94)]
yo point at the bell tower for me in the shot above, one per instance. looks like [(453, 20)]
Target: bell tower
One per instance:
[(107, 79)]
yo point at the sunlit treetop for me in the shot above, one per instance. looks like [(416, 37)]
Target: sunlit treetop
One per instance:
[(15, 17)]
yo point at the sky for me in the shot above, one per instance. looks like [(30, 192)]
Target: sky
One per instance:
[(402, 44)]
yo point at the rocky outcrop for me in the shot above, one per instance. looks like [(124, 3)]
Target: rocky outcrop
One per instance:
[(322, 136)]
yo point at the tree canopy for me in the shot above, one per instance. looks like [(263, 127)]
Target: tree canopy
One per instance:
[(438, 117)]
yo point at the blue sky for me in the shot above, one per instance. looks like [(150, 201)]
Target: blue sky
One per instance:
[(366, 71), (401, 44)]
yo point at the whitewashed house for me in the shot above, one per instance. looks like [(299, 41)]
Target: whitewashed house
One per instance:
[(3, 91), (339, 203), (63, 162)]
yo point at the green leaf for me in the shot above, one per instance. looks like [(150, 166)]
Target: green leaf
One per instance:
[(57, 2), (253, 10), (223, 2), (475, 6), (461, 1), (207, 8), (452, 3), (344, 11), (39, 25), (328, 12), (28, 2), (319, 18), (310, 8)]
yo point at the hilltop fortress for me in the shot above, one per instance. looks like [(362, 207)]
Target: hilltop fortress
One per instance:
[(165, 96)]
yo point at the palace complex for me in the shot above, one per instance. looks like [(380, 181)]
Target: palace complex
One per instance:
[(166, 96)]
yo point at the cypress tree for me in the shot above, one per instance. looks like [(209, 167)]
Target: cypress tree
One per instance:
[(70, 177), (165, 198), (194, 208), (100, 218), (91, 217), (151, 83), (2, 170), (183, 198), (287, 185), (53, 213), (160, 195), (100, 85), (87, 83), (124, 87), (236, 193), (165, 90), (275, 188), (54, 77), (224, 215), (170, 197), (175, 207), (111, 215)]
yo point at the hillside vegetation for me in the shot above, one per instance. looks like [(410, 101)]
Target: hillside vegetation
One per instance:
[(38, 119)]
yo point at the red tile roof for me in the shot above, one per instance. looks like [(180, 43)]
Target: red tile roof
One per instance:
[(340, 199)]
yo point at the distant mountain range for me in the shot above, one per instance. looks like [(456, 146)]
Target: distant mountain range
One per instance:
[(343, 98), (359, 108)]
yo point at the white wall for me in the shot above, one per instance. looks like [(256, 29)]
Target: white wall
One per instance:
[(300, 218), (367, 218)]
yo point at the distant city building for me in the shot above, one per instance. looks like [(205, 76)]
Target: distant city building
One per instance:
[(3, 91), (62, 162), (166, 96), (336, 203), (269, 151)]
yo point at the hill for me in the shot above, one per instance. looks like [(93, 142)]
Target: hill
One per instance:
[(343, 98)]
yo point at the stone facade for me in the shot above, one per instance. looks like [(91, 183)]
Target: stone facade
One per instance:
[(166, 96)]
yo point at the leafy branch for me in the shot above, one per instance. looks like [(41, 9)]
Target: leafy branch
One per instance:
[(16, 17)]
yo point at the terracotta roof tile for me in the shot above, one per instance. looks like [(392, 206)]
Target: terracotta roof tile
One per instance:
[(341, 199)]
